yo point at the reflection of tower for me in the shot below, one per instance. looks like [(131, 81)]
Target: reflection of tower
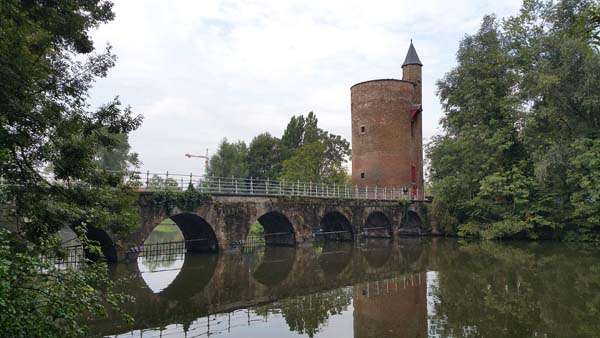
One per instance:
[(387, 146), (391, 308)]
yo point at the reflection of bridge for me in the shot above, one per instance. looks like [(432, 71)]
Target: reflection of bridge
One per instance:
[(220, 215), (209, 284)]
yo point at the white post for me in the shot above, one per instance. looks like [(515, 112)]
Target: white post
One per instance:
[(219, 184), (251, 187), (267, 187)]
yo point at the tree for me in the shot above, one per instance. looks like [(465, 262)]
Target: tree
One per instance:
[(47, 65), (480, 136), (264, 157), (118, 157), (229, 161), (521, 118), (311, 164), (300, 131), (312, 154)]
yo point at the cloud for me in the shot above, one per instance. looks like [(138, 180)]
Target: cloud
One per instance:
[(203, 70)]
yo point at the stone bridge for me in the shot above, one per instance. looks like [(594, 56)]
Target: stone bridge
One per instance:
[(222, 222)]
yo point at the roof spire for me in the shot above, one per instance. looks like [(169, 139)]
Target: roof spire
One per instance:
[(411, 57)]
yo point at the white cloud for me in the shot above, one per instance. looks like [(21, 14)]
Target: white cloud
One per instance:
[(203, 70)]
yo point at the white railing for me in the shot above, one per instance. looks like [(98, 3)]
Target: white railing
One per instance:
[(148, 181)]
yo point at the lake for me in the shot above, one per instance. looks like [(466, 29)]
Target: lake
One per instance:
[(409, 287)]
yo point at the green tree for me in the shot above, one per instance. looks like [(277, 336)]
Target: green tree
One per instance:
[(480, 140), (300, 131), (229, 161), (521, 119), (311, 154), (264, 157), (47, 65), (117, 157), (311, 164)]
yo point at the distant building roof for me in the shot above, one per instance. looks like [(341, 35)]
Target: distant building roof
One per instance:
[(411, 57)]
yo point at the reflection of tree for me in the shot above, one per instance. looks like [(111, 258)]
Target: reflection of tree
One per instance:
[(305, 314), (155, 237), (518, 291), (160, 262)]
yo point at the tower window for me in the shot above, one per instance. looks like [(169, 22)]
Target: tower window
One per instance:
[(413, 173), (363, 175), (363, 129)]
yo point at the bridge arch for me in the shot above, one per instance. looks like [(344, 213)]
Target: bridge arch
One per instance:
[(278, 230), (106, 243), (198, 234), (335, 225), (378, 224), (411, 223)]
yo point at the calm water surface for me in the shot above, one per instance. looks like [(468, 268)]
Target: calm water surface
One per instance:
[(379, 288)]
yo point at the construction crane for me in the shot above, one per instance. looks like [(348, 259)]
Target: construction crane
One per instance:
[(205, 157)]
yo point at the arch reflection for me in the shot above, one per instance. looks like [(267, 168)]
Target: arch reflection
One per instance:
[(377, 252), (275, 266), (335, 257)]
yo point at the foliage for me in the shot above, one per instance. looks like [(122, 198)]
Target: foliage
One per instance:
[(158, 183), (521, 118), (53, 152), (188, 200), (304, 153), (312, 154), (584, 176), (256, 229), (38, 300), (229, 161), (117, 157), (264, 157)]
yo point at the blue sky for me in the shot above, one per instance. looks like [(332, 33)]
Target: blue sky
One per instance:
[(203, 70)]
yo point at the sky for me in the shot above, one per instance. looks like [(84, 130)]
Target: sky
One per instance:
[(203, 70)]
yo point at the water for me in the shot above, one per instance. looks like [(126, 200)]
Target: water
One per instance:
[(379, 288)]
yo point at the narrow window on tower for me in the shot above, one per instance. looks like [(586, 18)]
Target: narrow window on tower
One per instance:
[(362, 175), (412, 128), (363, 129), (413, 173)]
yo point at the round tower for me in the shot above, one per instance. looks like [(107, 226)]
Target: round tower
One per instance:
[(387, 146)]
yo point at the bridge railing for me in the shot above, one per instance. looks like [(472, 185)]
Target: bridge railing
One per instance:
[(147, 181), (264, 187)]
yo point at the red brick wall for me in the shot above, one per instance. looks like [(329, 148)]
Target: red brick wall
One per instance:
[(386, 149)]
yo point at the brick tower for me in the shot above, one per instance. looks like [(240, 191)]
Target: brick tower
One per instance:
[(387, 141)]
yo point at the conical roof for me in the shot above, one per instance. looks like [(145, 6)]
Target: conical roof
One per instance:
[(411, 57)]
